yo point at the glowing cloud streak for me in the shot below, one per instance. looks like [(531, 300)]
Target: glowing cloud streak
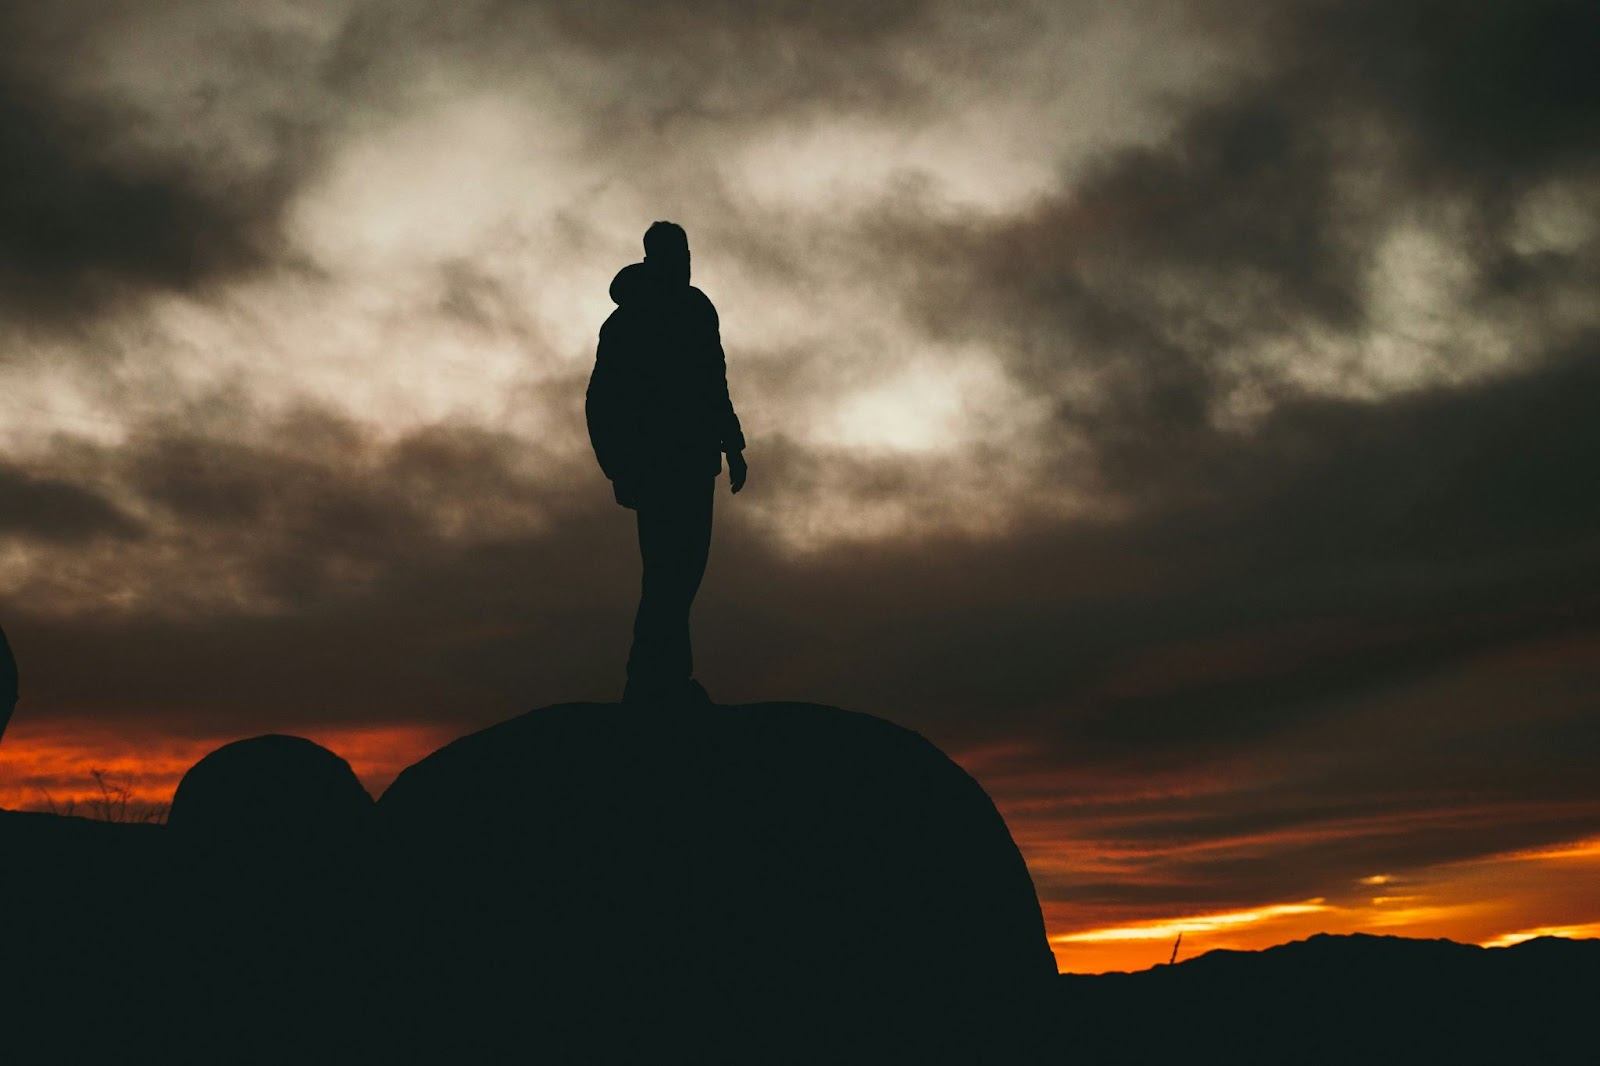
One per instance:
[(1162, 929)]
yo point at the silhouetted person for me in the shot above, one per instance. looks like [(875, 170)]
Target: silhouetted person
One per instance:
[(660, 421)]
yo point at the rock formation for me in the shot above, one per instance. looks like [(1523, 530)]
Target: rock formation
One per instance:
[(766, 883), (586, 883), (269, 953), (603, 884), (270, 791)]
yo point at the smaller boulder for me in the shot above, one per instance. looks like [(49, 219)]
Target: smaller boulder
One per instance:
[(270, 931), (270, 792)]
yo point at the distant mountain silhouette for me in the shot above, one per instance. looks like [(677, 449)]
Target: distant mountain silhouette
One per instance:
[(602, 883), (1345, 999)]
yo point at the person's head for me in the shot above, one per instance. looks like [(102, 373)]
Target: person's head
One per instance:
[(666, 250)]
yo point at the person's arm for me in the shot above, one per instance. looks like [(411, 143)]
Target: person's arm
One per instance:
[(730, 435), (605, 411)]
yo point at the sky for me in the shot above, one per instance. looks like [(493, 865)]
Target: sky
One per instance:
[(1179, 412)]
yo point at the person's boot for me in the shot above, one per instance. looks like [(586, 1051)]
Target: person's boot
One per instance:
[(683, 694), (637, 692)]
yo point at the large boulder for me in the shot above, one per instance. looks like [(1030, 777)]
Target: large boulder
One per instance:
[(764, 883)]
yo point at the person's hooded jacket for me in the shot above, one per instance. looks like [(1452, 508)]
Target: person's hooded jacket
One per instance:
[(658, 403)]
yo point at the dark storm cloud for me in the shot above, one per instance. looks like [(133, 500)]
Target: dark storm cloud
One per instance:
[(1487, 94), (1442, 475), (1258, 220), (317, 504), (153, 179), (1273, 627), (98, 200), (1330, 554), (56, 511), (1305, 853), (1451, 511), (630, 24), (1413, 531), (1481, 757), (319, 574), (638, 68)]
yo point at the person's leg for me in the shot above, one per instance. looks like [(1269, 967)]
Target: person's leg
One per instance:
[(693, 549), (644, 666), (674, 521)]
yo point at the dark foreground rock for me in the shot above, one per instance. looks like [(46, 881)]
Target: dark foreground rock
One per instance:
[(587, 883), (278, 793), (130, 945), (768, 883), (85, 933), (274, 862)]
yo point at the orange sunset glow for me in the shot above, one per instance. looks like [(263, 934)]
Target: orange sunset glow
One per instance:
[(53, 768), (1494, 901)]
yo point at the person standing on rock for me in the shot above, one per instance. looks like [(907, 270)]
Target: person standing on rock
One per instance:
[(660, 420)]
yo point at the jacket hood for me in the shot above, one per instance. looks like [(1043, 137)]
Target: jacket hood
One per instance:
[(632, 283)]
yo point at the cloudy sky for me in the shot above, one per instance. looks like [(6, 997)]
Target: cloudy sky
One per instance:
[(1180, 412)]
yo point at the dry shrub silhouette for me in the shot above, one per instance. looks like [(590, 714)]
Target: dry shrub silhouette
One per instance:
[(114, 802)]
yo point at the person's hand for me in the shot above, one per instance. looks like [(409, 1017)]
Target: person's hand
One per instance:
[(738, 470), (626, 492)]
